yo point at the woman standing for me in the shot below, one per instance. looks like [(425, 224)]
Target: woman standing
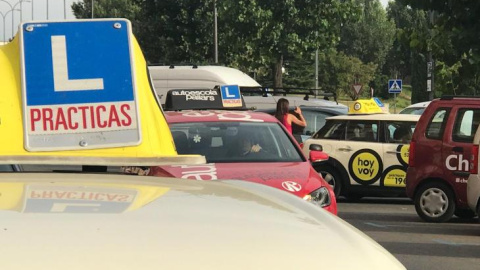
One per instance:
[(287, 118)]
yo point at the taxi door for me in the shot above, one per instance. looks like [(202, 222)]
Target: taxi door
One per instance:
[(398, 135), (362, 152)]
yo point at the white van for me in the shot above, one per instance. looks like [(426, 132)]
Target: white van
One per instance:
[(165, 78)]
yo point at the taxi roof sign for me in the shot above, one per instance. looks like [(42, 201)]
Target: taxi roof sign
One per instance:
[(156, 146), (365, 106), (78, 89), (219, 98)]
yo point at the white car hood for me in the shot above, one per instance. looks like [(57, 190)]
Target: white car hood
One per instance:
[(160, 223)]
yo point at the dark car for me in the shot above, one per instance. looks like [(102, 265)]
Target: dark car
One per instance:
[(315, 117)]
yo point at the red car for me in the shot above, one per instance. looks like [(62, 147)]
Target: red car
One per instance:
[(245, 145)]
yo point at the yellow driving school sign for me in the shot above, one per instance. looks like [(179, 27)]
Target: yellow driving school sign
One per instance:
[(78, 92)]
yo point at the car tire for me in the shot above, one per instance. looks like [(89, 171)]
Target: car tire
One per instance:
[(465, 213), (331, 176), (435, 202)]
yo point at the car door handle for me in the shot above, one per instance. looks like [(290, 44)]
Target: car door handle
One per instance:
[(345, 149), (457, 149), (393, 152)]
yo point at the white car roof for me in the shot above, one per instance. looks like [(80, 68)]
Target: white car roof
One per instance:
[(172, 224)]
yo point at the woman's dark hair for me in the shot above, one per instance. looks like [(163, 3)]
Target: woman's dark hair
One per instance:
[(282, 109)]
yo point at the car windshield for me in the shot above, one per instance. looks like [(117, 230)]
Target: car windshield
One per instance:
[(224, 142)]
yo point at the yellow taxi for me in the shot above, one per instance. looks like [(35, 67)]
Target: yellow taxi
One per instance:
[(367, 148)]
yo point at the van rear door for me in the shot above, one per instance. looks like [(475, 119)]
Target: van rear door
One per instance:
[(457, 143)]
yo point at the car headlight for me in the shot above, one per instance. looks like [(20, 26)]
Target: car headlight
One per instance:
[(320, 197)]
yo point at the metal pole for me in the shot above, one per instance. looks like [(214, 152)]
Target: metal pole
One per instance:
[(216, 34), (394, 102), (47, 10), (32, 10), (316, 68), (21, 11), (64, 9), (92, 9)]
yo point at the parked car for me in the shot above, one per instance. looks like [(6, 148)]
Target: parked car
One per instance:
[(417, 108), (315, 117), (368, 154), (439, 158), (245, 145)]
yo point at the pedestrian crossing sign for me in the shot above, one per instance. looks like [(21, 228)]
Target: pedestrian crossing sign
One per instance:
[(394, 86)]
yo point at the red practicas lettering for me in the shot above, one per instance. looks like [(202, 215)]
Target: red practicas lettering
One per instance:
[(71, 124), (100, 123), (60, 120), (123, 110), (113, 117), (47, 118), (84, 109), (35, 115)]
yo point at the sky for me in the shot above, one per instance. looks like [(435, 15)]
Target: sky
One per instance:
[(39, 8)]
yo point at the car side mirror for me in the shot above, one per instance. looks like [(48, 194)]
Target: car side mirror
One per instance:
[(315, 147), (316, 153), (315, 156)]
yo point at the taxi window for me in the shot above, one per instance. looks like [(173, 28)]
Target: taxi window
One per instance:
[(466, 124), (400, 131), (365, 131), (437, 124), (315, 120), (332, 130), (222, 142)]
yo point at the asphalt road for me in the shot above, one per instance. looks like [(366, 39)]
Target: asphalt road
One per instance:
[(418, 245)]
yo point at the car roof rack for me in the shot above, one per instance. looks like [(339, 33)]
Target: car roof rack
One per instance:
[(450, 97), (284, 91)]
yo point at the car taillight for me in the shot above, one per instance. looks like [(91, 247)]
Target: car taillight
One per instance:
[(474, 160), (411, 154)]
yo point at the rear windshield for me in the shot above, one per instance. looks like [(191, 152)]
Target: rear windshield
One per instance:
[(222, 142)]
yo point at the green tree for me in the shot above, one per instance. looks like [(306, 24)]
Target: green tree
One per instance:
[(169, 31), (371, 36), (369, 39), (265, 33), (407, 58), (454, 42), (338, 72)]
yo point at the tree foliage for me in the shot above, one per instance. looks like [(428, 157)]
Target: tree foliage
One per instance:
[(338, 72), (253, 35), (453, 39)]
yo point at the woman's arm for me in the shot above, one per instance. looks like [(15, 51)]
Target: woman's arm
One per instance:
[(298, 121)]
